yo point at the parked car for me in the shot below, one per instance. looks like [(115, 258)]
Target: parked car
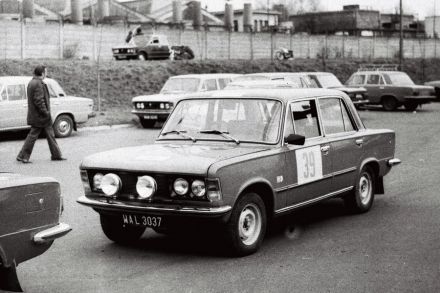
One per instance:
[(298, 78), (238, 159), (436, 85), (67, 111), (156, 108), (392, 89), (328, 80), (30, 209)]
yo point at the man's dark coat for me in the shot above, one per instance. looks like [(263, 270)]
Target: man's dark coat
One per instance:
[(38, 104)]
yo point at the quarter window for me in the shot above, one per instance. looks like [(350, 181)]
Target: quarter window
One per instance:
[(357, 79), (335, 118), (305, 118), (223, 82), (373, 79), (210, 85), (3, 95)]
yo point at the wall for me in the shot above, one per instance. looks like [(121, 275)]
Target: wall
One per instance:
[(21, 41)]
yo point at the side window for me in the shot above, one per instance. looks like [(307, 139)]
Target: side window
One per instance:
[(314, 81), (335, 118), (223, 82), (381, 81), (210, 84), (3, 95), (357, 79), (373, 79), (305, 118), (52, 93), (16, 92)]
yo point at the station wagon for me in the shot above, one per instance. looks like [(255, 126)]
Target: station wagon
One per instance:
[(156, 108), (237, 159), (67, 111)]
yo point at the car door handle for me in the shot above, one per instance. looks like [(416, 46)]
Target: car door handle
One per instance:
[(325, 149), (359, 142)]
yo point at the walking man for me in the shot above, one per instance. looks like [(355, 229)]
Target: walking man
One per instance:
[(39, 117)]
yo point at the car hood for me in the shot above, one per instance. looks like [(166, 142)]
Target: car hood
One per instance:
[(350, 90), (172, 97), (193, 158), (77, 99)]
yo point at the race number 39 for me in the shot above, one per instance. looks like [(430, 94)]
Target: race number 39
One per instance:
[(309, 164)]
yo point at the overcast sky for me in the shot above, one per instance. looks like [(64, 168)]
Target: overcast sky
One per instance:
[(420, 8)]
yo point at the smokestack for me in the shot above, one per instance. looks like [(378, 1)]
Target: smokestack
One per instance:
[(229, 16), (197, 17), (28, 8), (177, 11), (247, 17), (103, 8), (76, 15)]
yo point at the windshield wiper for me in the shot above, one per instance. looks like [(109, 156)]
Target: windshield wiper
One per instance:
[(179, 132), (222, 133)]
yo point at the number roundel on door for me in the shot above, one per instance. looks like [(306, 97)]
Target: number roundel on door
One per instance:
[(308, 164)]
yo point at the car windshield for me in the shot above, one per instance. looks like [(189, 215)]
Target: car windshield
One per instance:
[(181, 85), (251, 77), (398, 78), (328, 81), (235, 120), (55, 90)]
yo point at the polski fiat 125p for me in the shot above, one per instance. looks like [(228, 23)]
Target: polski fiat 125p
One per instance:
[(235, 160)]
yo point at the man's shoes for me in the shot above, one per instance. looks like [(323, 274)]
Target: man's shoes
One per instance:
[(58, 159), (24, 161)]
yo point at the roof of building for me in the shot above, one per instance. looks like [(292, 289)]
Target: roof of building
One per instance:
[(258, 11)]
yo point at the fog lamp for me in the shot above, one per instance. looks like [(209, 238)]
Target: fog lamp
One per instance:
[(213, 190), (181, 186), (198, 188), (146, 186), (111, 184)]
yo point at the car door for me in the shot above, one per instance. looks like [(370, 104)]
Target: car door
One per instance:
[(375, 86), (345, 141), (308, 166), (13, 113)]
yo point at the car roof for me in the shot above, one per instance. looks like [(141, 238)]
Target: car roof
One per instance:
[(12, 79), (318, 73), (275, 74), (262, 84), (206, 75), (378, 71), (282, 94)]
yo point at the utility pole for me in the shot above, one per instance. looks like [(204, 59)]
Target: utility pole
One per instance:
[(401, 37)]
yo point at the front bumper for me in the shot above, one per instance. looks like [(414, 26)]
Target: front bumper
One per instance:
[(393, 162), (420, 99), (119, 206), (51, 234)]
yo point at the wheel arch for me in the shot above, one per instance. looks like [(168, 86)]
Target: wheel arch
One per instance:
[(264, 189), (378, 180), (388, 95), (67, 114)]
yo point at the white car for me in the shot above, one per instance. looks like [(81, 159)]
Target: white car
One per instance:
[(67, 111), (153, 108)]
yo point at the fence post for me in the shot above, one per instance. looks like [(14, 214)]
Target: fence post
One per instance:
[(60, 40), (308, 46), (343, 47), (374, 46), (251, 34), (271, 46), (206, 42), (94, 43), (23, 41), (229, 45), (359, 47)]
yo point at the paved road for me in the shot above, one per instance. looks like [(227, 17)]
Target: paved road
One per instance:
[(393, 248)]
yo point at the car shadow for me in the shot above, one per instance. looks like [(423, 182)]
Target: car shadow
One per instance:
[(13, 135), (209, 241)]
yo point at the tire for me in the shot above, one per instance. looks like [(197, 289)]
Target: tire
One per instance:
[(63, 126), (143, 56), (362, 198), (410, 106), (114, 230), (147, 123), (389, 103), (247, 225), (279, 55)]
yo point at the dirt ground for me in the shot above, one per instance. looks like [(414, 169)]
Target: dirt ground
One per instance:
[(120, 81)]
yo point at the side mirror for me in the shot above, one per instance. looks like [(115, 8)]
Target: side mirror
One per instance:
[(295, 139)]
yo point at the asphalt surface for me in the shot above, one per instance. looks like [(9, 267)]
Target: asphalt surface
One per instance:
[(393, 248)]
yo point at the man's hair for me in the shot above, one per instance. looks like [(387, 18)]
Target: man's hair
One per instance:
[(39, 70)]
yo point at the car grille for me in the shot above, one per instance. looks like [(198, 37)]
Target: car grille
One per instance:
[(148, 105)]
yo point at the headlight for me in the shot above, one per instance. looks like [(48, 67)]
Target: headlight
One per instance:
[(162, 106), (167, 106), (181, 186), (198, 188), (146, 186), (111, 184), (97, 179)]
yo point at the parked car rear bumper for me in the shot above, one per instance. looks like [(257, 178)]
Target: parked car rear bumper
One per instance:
[(52, 233), (420, 99)]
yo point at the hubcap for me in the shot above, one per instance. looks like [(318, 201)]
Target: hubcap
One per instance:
[(365, 188), (64, 126), (249, 224)]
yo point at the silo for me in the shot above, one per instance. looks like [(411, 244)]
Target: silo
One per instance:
[(177, 11), (197, 16), (247, 17), (76, 15), (28, 8), (229, 16)]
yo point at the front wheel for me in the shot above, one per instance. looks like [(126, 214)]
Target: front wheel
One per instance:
[(247, 225), (279, 55), (116, 231), (389, 103), (361, 199), (63, 126)]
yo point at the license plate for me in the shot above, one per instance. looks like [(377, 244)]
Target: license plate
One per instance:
[(142, 221), (152, 117)]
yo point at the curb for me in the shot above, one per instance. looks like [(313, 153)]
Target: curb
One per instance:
[(105, 127)]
